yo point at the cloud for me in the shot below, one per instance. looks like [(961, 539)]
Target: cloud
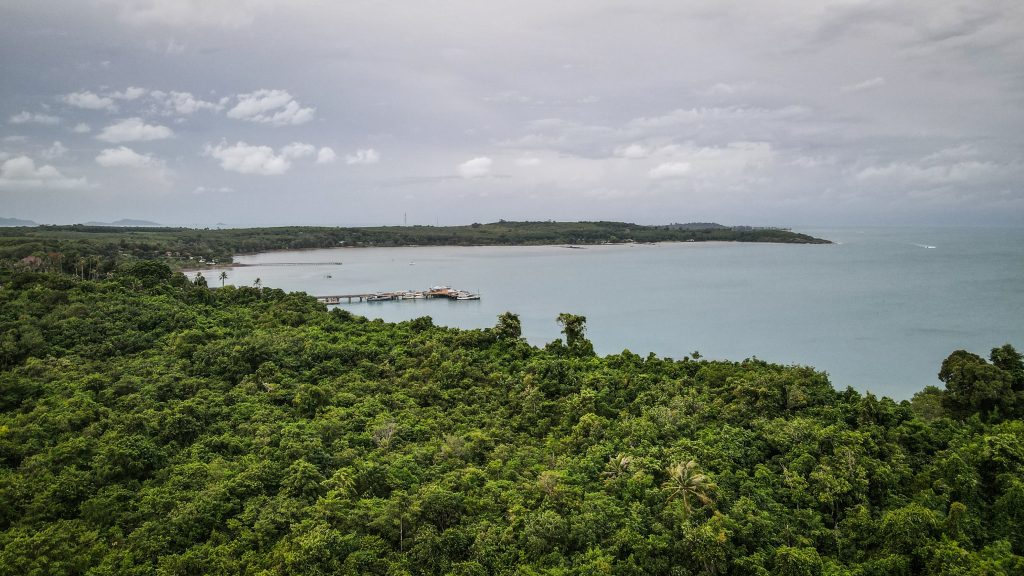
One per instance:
[(326, 155), (213, 190), (475, 168), (134, 130), (275, 107), (130, 93), (124, 157), (727, 89), (913, 173), (21, 172), (363, 156), (55, 151), (182, 103), (865, 85), (141, 171), (528, 161), (686, 116), (670, 170), (297, 150), (235, 14), (89, 101), (632, 151), (246, 159), (30, 118), (81, 128)]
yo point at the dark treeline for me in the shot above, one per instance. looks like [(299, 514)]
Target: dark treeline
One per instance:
[(88, 249), (152, 426)]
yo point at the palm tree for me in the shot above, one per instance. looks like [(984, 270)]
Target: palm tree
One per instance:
[(686, 481), (617, 466), (223, 277), (257, 283)]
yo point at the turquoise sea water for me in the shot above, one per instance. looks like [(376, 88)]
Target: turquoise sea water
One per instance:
[(877, 311)]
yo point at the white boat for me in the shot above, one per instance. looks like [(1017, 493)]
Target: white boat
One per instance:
[(466, 296), (413, 295)]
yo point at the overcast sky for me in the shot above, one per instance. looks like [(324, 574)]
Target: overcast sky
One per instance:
[(265, 112)]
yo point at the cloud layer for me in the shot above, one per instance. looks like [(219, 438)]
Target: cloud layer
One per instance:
[(783, 113)]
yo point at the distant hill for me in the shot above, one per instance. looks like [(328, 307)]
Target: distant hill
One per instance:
[(127, 222), (697, 226), (8, 222)]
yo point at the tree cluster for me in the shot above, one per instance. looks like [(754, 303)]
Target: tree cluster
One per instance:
[(150, 426)]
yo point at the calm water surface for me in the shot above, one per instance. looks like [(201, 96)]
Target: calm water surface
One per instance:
[(878, 311)]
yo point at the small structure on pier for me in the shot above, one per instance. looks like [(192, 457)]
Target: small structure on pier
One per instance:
[(434, 292)]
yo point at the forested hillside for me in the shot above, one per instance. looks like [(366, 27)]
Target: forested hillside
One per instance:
[(150, 426), (94, 250)]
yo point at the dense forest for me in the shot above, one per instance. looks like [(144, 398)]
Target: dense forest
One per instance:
[(93, 250), (150, 425)]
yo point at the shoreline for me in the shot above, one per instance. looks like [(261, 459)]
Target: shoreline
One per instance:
[(577, 246)]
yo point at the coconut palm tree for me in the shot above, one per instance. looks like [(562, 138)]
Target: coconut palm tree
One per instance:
[(617, 466), (223, 277), (257, 283), (686, 481)]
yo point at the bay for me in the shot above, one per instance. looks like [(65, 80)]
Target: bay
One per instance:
[(878, 311)]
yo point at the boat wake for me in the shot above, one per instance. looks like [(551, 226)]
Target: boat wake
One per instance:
[(929, 246)]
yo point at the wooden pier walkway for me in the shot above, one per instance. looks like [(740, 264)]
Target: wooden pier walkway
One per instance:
[(433, 293), (295, 264)]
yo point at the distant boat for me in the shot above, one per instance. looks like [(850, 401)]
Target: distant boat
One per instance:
[(461, 295), (379, 297), (929, 246)]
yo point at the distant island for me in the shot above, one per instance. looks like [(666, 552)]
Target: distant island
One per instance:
[(9, 222), (101, 247), (126, 223)]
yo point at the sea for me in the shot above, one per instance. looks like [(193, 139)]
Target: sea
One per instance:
[(878, 310)]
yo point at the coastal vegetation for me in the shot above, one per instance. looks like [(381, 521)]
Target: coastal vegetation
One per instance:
[(150, 425), (90, 250)]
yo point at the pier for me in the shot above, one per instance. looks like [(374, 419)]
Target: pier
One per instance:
[(431, 294)]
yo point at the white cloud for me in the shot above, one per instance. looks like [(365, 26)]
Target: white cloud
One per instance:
[(669, 170), (528, 161), (124, 157), (21, 172), (275, 107), (685, 116), (363, 156), (728, 89), (81, 128), (912, 173), (326, 155), (30, 118), (212, 190), (130, 93), (246, 159), (89, 101), (134, 130), (235, 14), (475, 168), (142, 171), (182, 103), (297, 150), (865, 85), (633, 151), (55, 151), (805, 161)]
